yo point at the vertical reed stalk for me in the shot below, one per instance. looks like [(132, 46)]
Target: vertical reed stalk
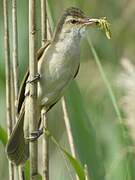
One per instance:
[(15, 54), (43, 22), (45, 148), (8, 80), (68, 129), (45, 142), (33, 90), (15, 69)]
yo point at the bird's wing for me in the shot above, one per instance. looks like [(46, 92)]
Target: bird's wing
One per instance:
[(21, 95)]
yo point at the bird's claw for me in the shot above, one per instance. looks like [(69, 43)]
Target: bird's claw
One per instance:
[(35, 135), (33, 79)]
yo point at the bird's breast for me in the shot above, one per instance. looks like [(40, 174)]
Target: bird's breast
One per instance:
[(57, 70)]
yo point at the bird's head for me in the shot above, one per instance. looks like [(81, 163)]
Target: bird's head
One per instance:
[(74, 22)]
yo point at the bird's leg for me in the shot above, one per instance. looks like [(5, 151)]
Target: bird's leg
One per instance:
[(41, 126), (36, 134), (33, 79)]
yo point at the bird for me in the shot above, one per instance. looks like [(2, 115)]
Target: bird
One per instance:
[(58, 65)]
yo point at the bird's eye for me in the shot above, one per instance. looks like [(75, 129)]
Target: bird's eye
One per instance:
[(73, 21)]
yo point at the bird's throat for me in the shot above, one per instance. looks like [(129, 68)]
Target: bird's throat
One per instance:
[(68, 41)]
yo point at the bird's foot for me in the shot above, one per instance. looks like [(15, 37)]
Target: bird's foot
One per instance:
[(33, 79), (35, 135)]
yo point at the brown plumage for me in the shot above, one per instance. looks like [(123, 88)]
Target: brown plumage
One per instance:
[(58, 64)]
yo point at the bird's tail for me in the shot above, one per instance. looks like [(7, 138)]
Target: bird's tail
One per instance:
[(17, 147)]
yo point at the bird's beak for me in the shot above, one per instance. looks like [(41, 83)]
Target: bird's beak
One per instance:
[(101, 22), (90, 21)]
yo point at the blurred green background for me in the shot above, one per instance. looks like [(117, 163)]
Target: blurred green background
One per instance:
[(102, 142)]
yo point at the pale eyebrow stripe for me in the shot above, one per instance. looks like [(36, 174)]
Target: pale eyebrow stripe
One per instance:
[(70, 18)]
